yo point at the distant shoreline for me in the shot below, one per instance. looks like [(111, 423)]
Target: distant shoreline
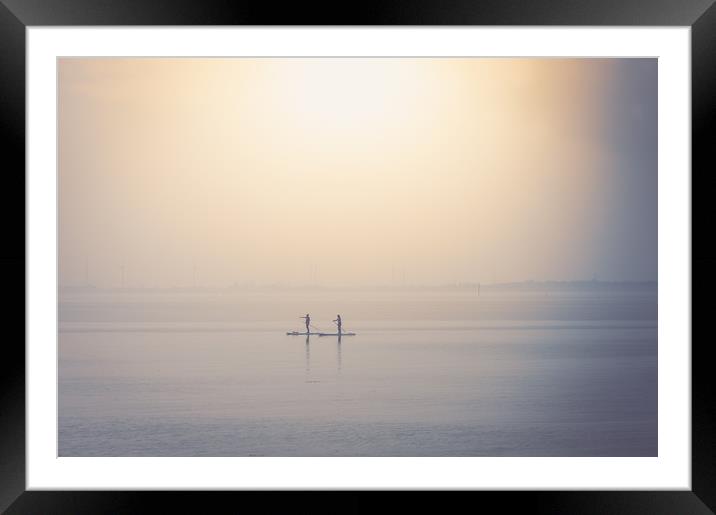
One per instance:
[(471, 287)]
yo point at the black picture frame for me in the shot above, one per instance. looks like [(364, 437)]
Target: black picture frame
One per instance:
[(16, 15)]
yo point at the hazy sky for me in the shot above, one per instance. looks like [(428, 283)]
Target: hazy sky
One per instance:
[(356, 171)]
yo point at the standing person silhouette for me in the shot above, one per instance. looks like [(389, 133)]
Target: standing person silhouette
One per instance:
[(308, 322), (338, 323)]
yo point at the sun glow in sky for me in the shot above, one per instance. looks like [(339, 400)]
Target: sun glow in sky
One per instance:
[(355, 171)]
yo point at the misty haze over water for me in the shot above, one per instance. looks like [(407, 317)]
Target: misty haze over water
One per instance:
[(511, 372), (205, 205)]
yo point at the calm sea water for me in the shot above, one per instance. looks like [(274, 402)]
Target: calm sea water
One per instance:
[(428, 374)]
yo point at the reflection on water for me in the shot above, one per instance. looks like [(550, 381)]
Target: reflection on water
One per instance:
[(456, 387), (308, 353)]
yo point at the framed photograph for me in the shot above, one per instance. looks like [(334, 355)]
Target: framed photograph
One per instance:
[(424, 249)]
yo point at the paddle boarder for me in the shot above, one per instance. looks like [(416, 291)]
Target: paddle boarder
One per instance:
[(308, 322), (338, 323)]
